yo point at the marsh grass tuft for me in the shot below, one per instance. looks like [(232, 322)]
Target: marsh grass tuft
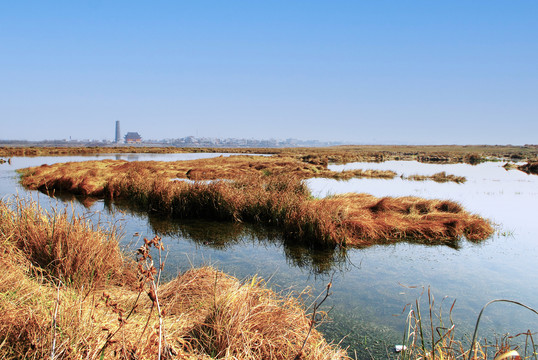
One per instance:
[(46, 240), (530, 167), (51, 309), (440, 177), (89, 178)]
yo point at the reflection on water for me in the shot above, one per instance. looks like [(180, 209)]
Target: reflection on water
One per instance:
[(86, 201), (370, 286), (220, 235)]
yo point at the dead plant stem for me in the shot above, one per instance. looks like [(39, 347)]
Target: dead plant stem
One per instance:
[(313, 320), (54, 319)]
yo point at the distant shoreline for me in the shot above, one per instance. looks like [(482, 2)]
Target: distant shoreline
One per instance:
[(334, 154)]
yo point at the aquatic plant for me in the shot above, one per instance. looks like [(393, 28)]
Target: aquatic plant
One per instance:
[(349, 219), (430, 334)]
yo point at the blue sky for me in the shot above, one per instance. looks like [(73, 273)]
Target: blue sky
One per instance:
[(418, 72)]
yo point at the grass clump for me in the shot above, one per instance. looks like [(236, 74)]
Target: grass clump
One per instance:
[(530, 167), (46, 240), (201, 314), (388, 219), (440, 177)]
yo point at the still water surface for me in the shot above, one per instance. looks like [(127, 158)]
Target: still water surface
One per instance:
[(371, 286)]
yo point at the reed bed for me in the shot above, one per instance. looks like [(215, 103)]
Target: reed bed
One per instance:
[(89, 178), (471, 154), (89, 150), (440, 177), (201, 314), (45, 239), (279, 199), (530, 167), (443, 154), (349, 219)]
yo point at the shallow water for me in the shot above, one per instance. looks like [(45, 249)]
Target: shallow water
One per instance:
[(371, 286)]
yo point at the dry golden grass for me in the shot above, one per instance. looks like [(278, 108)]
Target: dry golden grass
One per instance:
[(440, 177), (364, 217), (88, 150), (46, 240), (90, 178), (205, 314), (529, 168), (279, 199), (444, 154), (339, 154)]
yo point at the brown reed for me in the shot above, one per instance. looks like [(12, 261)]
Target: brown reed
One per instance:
[(89, 178), (439, 177), (281, 199), (530, 167), (202, 312), (471, 154), (45, 239)]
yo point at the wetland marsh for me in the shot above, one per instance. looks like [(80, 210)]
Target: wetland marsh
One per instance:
[(371, 286)]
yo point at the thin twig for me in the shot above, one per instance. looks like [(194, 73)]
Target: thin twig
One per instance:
[(313, 321), (54, 320)]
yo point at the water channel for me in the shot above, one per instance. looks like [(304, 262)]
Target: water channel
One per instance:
[(371, 286)]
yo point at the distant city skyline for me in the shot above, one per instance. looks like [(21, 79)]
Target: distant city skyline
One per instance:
[(365, 72), (179, 141)]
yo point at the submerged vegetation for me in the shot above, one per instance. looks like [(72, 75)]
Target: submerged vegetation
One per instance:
[(68, 292), (251, 194)]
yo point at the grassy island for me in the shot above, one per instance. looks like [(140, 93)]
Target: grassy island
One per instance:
[(266, 190)]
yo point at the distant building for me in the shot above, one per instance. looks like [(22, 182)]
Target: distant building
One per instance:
[(133, 138), (118, 134)]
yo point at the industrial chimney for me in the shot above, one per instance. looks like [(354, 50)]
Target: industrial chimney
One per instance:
[(118, 134)]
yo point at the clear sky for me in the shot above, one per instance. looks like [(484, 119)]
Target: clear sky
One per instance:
[(420, 72)]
